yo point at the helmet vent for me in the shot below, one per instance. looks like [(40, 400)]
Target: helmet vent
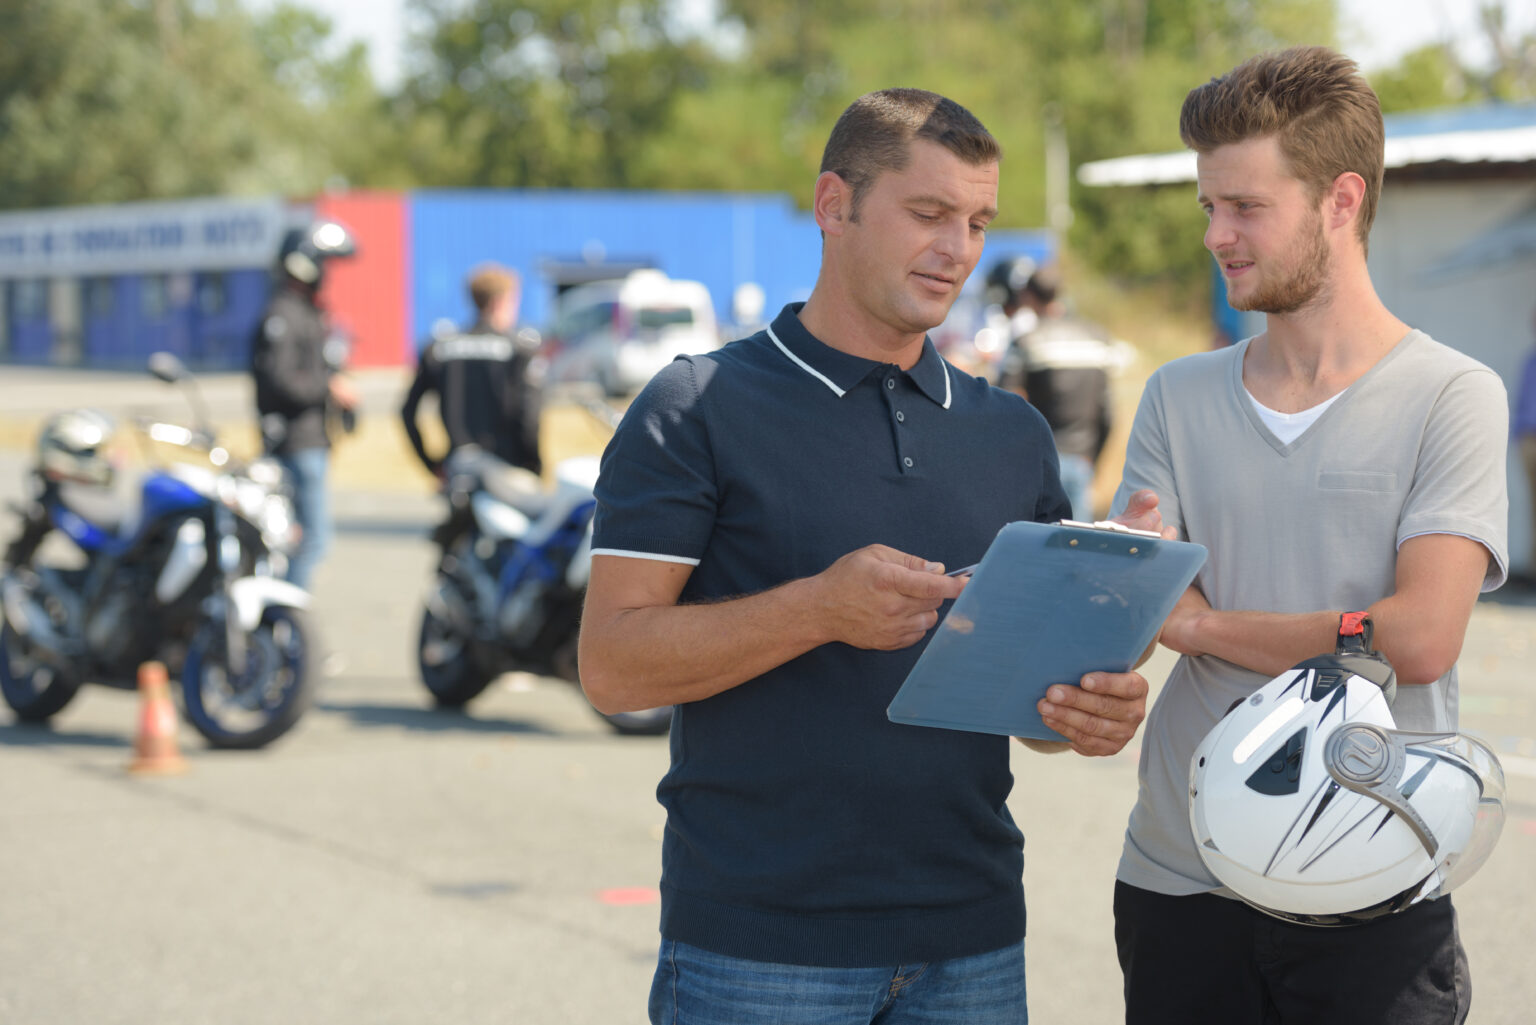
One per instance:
[(1281, 774)]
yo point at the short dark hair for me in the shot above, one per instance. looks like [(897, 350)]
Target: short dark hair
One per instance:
[(875, 133), (1313, 100), (489, 282)]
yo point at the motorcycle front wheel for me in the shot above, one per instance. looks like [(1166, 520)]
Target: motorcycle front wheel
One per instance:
[(35, 689), (448, 666), (252, 705)]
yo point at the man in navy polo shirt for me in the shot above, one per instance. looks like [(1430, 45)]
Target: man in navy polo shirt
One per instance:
[(773, 524)]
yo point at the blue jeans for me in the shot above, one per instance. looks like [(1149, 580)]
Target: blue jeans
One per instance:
[(312, 508), (1077, 481), (696, 987)]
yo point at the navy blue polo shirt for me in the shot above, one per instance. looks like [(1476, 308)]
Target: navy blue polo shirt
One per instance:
[(802, 825)]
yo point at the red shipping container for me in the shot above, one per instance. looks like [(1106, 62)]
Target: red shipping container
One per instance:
[(368, 296)]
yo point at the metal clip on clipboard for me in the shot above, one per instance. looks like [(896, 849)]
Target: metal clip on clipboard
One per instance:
[(1046, 604), (1110, 525)]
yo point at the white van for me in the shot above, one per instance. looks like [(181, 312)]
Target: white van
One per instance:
[(618, 333)]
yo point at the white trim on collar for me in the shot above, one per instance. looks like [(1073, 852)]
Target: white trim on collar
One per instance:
[(824, 379), (803, 365)]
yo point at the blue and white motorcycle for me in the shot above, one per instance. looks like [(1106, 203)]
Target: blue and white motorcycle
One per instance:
[(185, 572), (511, 580)]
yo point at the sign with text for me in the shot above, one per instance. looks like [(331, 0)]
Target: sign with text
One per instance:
[(202, 234)]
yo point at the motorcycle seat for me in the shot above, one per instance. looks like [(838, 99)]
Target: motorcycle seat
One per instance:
[(473, 467)]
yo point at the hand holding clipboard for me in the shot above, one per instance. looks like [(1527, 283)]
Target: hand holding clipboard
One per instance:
[(1046, 605)]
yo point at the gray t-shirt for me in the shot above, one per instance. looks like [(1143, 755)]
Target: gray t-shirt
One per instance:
[(1414, 446)]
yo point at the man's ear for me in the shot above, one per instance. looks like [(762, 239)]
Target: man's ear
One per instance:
[(832, 203), (1344, 201)]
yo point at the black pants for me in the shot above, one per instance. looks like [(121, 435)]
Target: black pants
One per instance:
[(1208, 960)]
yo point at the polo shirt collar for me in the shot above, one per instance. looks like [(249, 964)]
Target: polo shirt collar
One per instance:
[(840, 371)]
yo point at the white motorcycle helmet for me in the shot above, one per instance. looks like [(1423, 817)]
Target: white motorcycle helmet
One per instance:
[(1309, 804), (75, 446)]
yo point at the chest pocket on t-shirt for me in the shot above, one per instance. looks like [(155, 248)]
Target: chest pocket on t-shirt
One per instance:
[(1370, 481)]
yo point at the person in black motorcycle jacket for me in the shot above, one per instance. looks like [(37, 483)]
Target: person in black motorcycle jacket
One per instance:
[(486, 378), (1062, 365), (297, 386)]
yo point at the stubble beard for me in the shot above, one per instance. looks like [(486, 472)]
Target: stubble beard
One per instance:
[(1306, 285)]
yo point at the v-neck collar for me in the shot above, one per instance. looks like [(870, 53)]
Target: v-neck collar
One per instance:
[(1245, 402)]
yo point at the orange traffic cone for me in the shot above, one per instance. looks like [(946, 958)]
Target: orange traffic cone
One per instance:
[(154, 749)]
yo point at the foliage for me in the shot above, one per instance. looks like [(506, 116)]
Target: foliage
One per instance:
[(1437, 76), (159, 98), (153, 99), (546, 92), (1114, 72)]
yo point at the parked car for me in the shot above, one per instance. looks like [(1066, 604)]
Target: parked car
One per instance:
[(618, 333)]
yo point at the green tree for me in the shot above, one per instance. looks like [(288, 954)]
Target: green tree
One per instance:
[(154, 99), (545, 92), (1437, 75), (1114, 73)]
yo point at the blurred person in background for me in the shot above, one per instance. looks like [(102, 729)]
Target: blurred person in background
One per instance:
[(1062, 365), (485, 377), (299, 384)]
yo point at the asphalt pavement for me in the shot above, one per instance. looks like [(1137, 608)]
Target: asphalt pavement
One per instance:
[(390, 863)]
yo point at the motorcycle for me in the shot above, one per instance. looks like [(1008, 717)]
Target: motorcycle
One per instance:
[(511, 579), (185, 573)]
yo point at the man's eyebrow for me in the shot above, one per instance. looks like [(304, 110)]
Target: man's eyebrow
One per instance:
[(1230, 197)]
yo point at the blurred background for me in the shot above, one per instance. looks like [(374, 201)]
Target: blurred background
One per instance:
[(152, 152)]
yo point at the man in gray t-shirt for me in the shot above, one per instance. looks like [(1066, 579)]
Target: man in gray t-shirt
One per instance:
[(1339, 461)]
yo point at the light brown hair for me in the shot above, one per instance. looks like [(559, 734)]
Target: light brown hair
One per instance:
[(489, 282), (875, 134), (1323, 114)]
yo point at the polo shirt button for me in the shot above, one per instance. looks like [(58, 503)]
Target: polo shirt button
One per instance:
[(907, 462), (901, 417), (890, 383)]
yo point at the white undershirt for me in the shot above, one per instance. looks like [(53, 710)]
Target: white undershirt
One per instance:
[(1289, 426)]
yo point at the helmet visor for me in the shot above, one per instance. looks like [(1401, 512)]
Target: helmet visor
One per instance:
[(1476, 758)]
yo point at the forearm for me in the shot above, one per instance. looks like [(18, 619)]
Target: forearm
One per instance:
[(1264, 642), (665, 655), (1417, 641)]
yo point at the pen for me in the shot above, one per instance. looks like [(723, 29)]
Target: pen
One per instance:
[(963, 571)]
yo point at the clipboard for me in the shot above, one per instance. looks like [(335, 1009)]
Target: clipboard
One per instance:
[(1046, 604)]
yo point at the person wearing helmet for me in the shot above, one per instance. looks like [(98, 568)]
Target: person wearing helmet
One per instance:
[(1061, 364), (74, 446), (1006, 282), (485, 377), (1340, 461), (296, 384)]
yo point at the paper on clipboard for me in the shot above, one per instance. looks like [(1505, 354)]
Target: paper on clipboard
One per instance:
[(1046, 604)]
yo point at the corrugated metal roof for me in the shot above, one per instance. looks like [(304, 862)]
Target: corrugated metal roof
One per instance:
[(1490, 133)]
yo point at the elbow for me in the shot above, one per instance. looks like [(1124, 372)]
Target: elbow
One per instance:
[(600, 680), (596, 684), (1424, 665)]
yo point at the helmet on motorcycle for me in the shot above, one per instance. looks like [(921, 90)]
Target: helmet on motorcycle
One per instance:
[(1007, 278), (73, 446), (1309, 803), (304, 251)]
